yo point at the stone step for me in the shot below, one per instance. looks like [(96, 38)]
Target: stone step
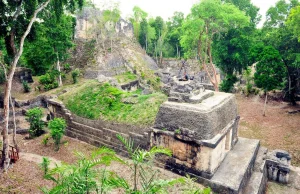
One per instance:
[(91, 138), (258, 180), (257, 184), (236, 169), (96, 142)]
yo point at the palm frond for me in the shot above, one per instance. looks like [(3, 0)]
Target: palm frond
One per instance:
[(128, 143)]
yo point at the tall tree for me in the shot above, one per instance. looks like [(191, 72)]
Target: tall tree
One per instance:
[(293, 21), (174, 32), (53, 39), (136, 18), (207, 19), (111, 16), (270, 71), (277, 34), (231, 49), (21, 15)]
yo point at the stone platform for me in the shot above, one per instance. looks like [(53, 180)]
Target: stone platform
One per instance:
[(235, 170)]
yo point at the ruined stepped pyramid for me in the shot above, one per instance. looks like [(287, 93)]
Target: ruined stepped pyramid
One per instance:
[(109, 59)]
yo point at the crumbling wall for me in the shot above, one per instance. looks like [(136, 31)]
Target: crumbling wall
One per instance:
[(99, 132)]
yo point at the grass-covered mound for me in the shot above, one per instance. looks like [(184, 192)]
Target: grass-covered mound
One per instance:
[(93, 100)]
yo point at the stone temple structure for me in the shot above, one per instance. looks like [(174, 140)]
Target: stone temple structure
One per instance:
[(200, 127)]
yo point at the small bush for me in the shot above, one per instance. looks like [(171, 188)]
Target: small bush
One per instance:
[(57, 129), (49, 80), (34, 117), (26, 87), (45, 165), (227, 84), (45, 139), (67, 67), (75, 75)]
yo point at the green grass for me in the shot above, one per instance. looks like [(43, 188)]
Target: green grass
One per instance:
[(102, 101), (126, 77)]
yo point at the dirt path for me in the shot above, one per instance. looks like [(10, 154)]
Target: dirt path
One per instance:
[(30, 157)]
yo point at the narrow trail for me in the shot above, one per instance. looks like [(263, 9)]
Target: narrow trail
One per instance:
[(38, 159)]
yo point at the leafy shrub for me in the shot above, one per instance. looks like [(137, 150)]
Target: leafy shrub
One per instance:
[(49, 80), (67, 67), (75, 75), (227, 84), (2, 76), (57, 129), (26, 87), (63, 76), (34, 117), (45, 165)]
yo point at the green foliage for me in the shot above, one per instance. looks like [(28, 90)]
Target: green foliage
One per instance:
[(126, 77), (34, 116), (206, 19), (84, 176), (270, 70), (104, 101), (228, 82), (49, 80), (248, 77), (67, 67), (177, 131), (140, 159), (26, 87), (57, 128), (278, 33), (293, 21), (75, 75), (45, 165), (2, 76), (45, 139)]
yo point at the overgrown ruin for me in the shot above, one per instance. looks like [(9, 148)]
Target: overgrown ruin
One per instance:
[(201, 128)]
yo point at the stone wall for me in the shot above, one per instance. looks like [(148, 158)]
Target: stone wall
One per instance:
[(99, 132)]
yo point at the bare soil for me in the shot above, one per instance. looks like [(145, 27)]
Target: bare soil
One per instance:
[(276, 130)]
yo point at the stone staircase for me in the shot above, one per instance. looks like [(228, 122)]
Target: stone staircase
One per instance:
[(242, 171)]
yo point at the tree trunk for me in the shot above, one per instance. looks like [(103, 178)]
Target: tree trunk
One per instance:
[(177, 51), (15, 125), (161, 57), (212, 66), (58, 69), (291, 86), (146, 43), (8, 84), (266, 99)]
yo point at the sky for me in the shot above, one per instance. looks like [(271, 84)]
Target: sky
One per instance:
[(166, 8)]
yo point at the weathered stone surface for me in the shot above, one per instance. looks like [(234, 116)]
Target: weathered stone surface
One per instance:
[(235, 170), (206, 119), (278, 166), (23, 74)]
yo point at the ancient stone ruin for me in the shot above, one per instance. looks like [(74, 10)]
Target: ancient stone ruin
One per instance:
[(201, 128)]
